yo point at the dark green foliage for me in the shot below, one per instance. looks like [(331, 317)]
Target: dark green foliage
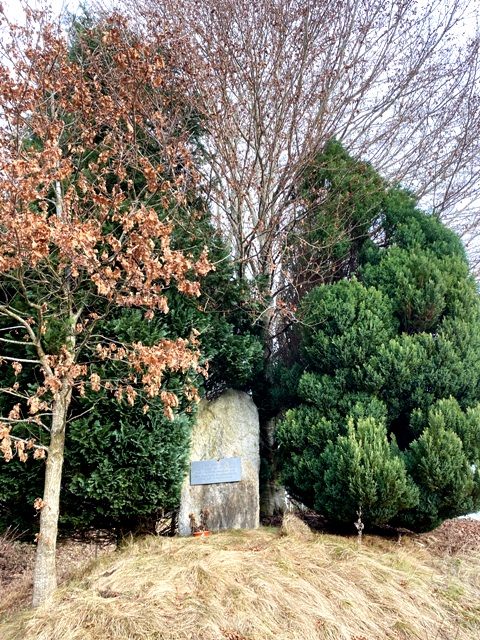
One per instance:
[(20, 484), (362, 469), (342, 197), (388, 417), (278, 388), (122, 465), (448, 485), (229, 338), (345, 325), (406, 226)]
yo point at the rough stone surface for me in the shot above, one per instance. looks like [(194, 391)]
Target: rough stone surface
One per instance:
[(227, 427)]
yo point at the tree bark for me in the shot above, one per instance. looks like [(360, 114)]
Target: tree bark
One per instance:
[(45, 576), (272, 494)]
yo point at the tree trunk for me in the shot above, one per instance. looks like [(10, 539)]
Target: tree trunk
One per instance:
[(272, 494), (45, 577)]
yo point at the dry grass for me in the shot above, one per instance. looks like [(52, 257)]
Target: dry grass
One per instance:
[(15, 572), (260, 585), (17, 561), (296, 528)]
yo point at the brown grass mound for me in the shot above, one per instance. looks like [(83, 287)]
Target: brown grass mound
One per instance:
[(259, 586), (293, 526)]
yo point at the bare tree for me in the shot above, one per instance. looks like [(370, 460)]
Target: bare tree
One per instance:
[(395, 80)]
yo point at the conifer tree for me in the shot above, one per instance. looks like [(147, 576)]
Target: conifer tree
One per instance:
[(397, 348)]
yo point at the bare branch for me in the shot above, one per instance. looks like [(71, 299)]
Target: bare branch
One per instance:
[(22, 360), (19, 342), (398, 82), (24, 323)]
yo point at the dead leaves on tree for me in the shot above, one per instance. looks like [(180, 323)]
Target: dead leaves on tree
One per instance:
[(93, 145)]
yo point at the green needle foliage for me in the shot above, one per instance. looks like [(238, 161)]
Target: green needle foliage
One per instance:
[(387, 416), (341, 198), (362, 469)]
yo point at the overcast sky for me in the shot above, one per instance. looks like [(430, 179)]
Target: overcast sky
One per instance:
[(14, 11)]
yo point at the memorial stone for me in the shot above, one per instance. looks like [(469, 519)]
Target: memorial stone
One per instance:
[(224, 465)]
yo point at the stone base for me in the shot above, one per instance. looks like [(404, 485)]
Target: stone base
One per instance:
[(227, 427)]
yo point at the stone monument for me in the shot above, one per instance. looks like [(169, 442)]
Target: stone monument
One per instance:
[(224, 465)]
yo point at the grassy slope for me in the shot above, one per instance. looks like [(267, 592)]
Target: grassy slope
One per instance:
[(259, 585)]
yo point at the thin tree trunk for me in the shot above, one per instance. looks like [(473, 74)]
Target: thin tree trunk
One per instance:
[(45, 576)]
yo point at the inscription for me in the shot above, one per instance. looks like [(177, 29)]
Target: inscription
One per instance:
[(215, 471)]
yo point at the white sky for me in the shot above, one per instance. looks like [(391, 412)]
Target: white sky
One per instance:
[(13, 8)]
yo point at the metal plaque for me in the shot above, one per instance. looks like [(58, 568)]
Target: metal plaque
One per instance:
[(216, 471)]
